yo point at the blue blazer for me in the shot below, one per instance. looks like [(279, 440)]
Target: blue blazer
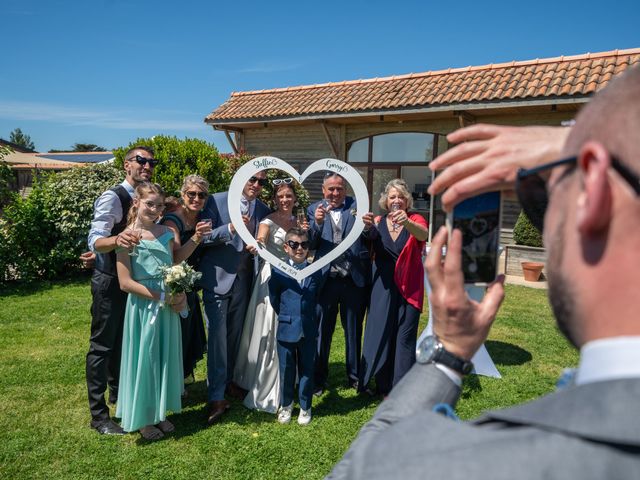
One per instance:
[(295, 305), (322, 241), (221, 257)]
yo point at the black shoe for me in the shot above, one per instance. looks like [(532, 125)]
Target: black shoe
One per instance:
[(353, 383), (319, 390), (107, 427)]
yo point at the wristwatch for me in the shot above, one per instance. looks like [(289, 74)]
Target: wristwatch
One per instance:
[(431, 350)]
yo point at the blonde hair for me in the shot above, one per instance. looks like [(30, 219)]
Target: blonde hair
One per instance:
[(196, 180), (143, 190), (401, 186)]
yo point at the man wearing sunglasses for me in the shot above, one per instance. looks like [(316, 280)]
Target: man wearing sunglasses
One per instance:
[(345, 289), (591, 427), (108, 305), (228, 270)]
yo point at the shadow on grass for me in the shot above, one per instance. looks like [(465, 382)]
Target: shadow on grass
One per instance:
[(504, 353)]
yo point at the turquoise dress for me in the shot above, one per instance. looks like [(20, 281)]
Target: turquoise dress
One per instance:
[(151, 380)]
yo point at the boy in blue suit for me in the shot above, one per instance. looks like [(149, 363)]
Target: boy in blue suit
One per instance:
[(295, 303)]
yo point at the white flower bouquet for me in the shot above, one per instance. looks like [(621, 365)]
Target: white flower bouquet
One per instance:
[(180, 278)]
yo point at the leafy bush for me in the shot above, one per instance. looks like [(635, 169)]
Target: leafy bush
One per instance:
[(179, 158), (524, 233), (42, 235)]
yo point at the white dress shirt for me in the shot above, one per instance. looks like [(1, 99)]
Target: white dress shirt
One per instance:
[(107, 211), (609, 359)]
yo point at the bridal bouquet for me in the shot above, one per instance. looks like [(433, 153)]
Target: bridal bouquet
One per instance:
[(180, 278)]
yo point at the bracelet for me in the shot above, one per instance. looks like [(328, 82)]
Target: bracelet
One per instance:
[(193, 239)]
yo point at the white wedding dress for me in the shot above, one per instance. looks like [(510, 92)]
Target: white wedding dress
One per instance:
[(256, 367)]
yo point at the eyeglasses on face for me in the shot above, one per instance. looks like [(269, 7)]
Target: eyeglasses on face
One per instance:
[(154, 206), (278, 181), (193, 194), (142, 161), (531, 188), (295, 245), (260, 181)]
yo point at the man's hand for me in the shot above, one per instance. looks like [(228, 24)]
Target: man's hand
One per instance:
[(461, 324), (487, 158), (320, 214), (88, 259), (127, 240)]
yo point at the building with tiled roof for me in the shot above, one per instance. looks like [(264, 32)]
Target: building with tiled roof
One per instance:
[(393, 126)]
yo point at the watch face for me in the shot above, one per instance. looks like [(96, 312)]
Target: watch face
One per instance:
[(426, 349)]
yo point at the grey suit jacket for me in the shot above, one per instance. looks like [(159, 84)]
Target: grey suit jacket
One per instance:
[(590, 431), (221, 256)]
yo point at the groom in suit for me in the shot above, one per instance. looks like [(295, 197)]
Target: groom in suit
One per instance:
[(228, 270), (345, 289), (589, 429)]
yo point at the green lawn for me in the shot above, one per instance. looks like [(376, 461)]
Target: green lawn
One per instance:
[(44, 415)]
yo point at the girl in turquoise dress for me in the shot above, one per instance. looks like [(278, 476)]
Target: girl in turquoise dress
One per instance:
[(151, 374)]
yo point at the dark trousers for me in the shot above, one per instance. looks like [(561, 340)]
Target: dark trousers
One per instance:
[(340, 295), (402, 348), (296, 360), (105, 344), (225, 315)]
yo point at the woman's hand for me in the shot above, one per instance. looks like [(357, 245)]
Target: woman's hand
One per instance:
[(203, 229), (177, 302), (399, 217)]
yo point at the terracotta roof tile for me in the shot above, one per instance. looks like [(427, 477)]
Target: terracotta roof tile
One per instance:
[(576, 75)]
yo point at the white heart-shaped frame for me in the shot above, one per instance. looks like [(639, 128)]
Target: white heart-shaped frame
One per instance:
[(258, 164)]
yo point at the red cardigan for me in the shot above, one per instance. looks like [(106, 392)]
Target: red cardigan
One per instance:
[(409, 272)]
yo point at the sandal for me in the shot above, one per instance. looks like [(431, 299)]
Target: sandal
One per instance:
[(166, 426), (150, 432)]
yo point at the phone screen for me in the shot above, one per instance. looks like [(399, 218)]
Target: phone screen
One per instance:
[(478, 218)]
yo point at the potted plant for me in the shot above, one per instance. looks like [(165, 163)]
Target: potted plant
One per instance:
[(524, 233)]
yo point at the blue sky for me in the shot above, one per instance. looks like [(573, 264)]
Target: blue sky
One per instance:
[(110, 71)]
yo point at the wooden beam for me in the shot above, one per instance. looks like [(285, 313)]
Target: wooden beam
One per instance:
[(224, 127), (231, 142), (464, 117), (329, 139)]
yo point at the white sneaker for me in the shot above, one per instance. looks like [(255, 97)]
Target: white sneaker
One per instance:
[(284, 414), (305, 417)]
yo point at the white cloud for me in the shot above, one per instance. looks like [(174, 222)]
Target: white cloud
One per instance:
[(112, 119)]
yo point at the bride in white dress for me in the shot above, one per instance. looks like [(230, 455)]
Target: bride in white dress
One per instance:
[(256, 367)]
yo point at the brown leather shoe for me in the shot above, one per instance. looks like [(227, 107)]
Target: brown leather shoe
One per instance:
[(235, 391), (216, 410)]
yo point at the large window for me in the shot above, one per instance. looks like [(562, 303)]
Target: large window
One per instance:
[(380, 158)]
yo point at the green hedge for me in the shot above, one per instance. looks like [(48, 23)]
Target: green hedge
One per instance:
[(179, 158), (524, 233)]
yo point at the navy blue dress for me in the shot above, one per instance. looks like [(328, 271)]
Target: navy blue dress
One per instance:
[(194, 341), (389, 348)]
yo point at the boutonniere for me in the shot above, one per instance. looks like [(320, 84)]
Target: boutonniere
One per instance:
[(353, 212)]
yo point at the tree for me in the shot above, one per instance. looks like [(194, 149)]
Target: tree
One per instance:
[(21, 139), (81, 147), (87, 147)]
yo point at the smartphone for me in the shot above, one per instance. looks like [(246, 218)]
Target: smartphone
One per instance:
[(478, 218)]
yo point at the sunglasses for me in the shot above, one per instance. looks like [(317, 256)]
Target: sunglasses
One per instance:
[(142, 161), (531, 188), (192, 195), (261, 181), (294, 245), (278, 181), (154, 206)]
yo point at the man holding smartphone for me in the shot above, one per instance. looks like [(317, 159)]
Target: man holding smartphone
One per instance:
[(592, 232)]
